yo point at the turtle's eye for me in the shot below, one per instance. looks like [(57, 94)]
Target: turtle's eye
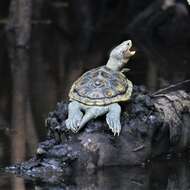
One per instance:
[(129, 43)]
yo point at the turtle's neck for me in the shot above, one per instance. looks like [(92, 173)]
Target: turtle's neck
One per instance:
[(114, 64)]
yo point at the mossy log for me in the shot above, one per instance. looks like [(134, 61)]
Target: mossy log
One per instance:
[(152, 125)]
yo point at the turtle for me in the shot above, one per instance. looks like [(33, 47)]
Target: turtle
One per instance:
[(99, 91)]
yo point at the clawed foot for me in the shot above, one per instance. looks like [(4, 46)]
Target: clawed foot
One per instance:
[(73, 123), (113, 123)]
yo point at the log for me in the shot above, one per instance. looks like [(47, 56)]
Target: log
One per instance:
[(153, 125)]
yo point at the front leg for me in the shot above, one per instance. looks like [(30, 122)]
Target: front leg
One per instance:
[(113, 118), (74, 116)]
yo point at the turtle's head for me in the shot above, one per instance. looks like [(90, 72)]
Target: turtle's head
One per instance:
[(120, 55)]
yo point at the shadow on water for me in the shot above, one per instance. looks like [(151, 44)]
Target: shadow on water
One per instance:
[(32, 81)]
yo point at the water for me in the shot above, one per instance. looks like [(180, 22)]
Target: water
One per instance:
[(55, 61), (167, 175)]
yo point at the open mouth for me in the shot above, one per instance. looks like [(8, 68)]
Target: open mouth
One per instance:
[(132, 52), (129, 52)]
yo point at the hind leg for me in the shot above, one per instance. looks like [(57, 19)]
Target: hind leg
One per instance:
[(113, 118), (74, 116), (92, 113)]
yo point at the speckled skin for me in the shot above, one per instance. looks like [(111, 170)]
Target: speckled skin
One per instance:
[(98, 91)]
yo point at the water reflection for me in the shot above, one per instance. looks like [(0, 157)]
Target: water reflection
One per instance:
[(166, 176), (12, 182), (17, 183)]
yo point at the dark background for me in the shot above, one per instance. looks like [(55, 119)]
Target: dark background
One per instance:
[(61, 39)]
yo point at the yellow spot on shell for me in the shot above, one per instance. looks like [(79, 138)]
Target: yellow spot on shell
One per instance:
[(120, 88), (109, 93)]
